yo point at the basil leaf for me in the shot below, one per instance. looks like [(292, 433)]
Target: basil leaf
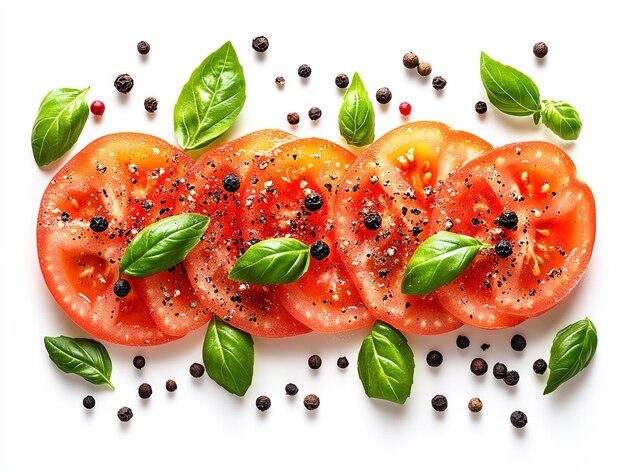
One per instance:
[(84, 357), (228, 356), (272, 262), (356, 115), (386, 364), (508, 89), (60, 120), (562, 119), (163, 244), (572, 350), (439, 260), (211, 99)]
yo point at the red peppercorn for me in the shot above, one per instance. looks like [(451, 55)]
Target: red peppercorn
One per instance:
[(405, 108), (97, 108)]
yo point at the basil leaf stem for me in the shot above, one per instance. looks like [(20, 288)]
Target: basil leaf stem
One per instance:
[(439, 260), (163, 244), (83, 357), (356, 115)]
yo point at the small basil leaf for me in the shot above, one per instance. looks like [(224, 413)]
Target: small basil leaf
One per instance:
[(356, 115), (228, 356), (439, 260), (211, 99), (572, 350), (163, 244), (562, 119), (83, 357), (272, 262), (386, 364), (60, 120), (508, 89)]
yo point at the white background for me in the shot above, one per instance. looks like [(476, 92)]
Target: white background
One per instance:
[(75, 44)]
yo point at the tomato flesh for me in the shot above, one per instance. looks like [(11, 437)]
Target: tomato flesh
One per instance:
[(552, 242), (396, 178)]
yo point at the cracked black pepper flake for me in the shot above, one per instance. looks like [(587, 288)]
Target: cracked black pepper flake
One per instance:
[(315, 362), (145, 390), (89, 402), (540, 49), (434, 359), (485, 346), (304, 71), (125, 414), (518, 343), (519, 419), (143, 48), (462, 341), (291, 389), (196, 370), (479, 366), (139, 362), (540, 366), (342, 80), (383, 95), (260, 44), (439, 403), (124, 83), (263, 403), (151, 104), (499, 370), (511, 378), (311, 402), (342, 362)]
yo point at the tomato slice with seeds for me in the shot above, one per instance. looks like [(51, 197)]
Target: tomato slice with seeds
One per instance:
[(216, 184), (129, 180), (293, 194), (383, 211), (550, 245)]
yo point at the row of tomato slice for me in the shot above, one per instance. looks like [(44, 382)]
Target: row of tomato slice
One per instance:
[(420, 178)]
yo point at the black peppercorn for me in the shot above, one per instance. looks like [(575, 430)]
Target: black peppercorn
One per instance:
[(499, 370), (150, 104), (196, 370), (373, 221), (410, 60), (439, 83), (304, 71), (540, 49), (311, 402), (518, 343), (124, 83), (171, 385), (280, 80), (475, 404), (480, 107), (540, 366), (320, 250), (125, 414), (313, 201), (145, 390), (315, 362), (293, 118), (315, 113), (479, 366), (342, 80), (139, 362), (503, 248), (462, 341), (263, 403), (143, 48), (342, 362), (98, 223), (507, 220), (511, 378), (519, 419), (434, 358), (121, 288), (89, 402), (231, 182), (260, 44), (383, 95), (424, 69), (485, 346), (291, 389), (439, 403), (65, 216)]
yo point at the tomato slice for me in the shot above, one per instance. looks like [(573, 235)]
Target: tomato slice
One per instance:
[(551, 243), (292, 194), (254, 309), (383, 211), (130, 180)]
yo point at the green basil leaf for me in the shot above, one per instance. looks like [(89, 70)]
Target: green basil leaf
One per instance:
[(356, 115), (562, 119), (272, 262), (508, 89), (60, 120), (228, 356), (211, 99), (386, 364), (83, 357), (163, 244), (572, 350), (439, 260)]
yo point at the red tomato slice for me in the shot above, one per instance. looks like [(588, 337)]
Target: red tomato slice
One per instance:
[(551, 243), (254, 309), (130, 180), (391, 187), (325, 298)]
